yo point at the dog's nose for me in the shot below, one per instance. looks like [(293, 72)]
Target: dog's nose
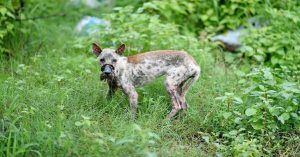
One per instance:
[(107, 70)]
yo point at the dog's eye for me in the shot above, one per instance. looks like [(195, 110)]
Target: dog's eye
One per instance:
[(114, 60), (102, 60)]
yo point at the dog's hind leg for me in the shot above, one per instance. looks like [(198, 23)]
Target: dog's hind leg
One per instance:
[(173, 92), (185, 85), (182, 95), (182, 89)]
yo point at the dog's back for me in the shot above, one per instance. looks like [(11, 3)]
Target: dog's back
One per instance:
[(170, 55), (176, 65)]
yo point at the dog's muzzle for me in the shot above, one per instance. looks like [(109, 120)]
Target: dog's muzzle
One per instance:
[(107, 71)]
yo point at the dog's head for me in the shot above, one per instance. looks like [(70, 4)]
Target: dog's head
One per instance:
[(108, 59)]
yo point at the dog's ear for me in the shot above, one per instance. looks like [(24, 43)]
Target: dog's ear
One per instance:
[(121, 49), (96, 49)]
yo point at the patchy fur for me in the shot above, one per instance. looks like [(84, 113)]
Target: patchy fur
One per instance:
[(180, 69)]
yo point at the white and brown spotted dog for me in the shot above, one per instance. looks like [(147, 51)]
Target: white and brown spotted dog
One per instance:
[(180, 70)]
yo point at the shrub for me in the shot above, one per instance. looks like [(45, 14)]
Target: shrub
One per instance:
[(268, 104), (7, 25), (212, 16), (276, 44), (267, 108), (140, 32)]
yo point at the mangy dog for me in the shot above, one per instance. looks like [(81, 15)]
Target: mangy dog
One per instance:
[(127, 73)]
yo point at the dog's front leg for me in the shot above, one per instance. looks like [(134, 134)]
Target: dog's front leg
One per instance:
[(133, 98), (111, 91)]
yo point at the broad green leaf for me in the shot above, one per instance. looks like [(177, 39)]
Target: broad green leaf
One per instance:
[(237, 120), (233, 132), (284, 117), (248, 50), (261, 87), (289, 109), (267, 74), (275, 111), (3, 10), (295, 115), (238, 100), (222, 98), (11, 15), (226, 115), (273, 48), (257, 125), (250, 111), (272, 126), (229, 58), (78, 123), (259, 58)]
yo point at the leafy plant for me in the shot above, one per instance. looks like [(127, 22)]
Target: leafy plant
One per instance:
[(140, 32), (7, 25), (276, 44), (276, 101), (269, 105), (242, 147), (210, 16)]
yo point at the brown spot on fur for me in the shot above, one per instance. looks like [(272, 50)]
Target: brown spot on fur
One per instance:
[(140, 57)]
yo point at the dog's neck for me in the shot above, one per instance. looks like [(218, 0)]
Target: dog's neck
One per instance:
[(112, 80)]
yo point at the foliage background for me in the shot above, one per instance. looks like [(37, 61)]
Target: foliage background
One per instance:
[(245, 103)]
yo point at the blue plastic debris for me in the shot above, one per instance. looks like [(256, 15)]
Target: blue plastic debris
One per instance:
[(90, 25)]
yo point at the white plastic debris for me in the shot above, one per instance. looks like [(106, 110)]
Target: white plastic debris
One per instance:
[(89, 25), (231, 39)]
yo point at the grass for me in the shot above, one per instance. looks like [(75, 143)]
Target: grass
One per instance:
[(53, 104)]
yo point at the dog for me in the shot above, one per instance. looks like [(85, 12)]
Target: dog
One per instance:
[(128, 73)]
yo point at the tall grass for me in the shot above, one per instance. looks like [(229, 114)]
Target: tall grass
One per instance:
[(53, 103)]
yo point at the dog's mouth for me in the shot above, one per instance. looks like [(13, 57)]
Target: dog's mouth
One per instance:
[(107, 72)]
